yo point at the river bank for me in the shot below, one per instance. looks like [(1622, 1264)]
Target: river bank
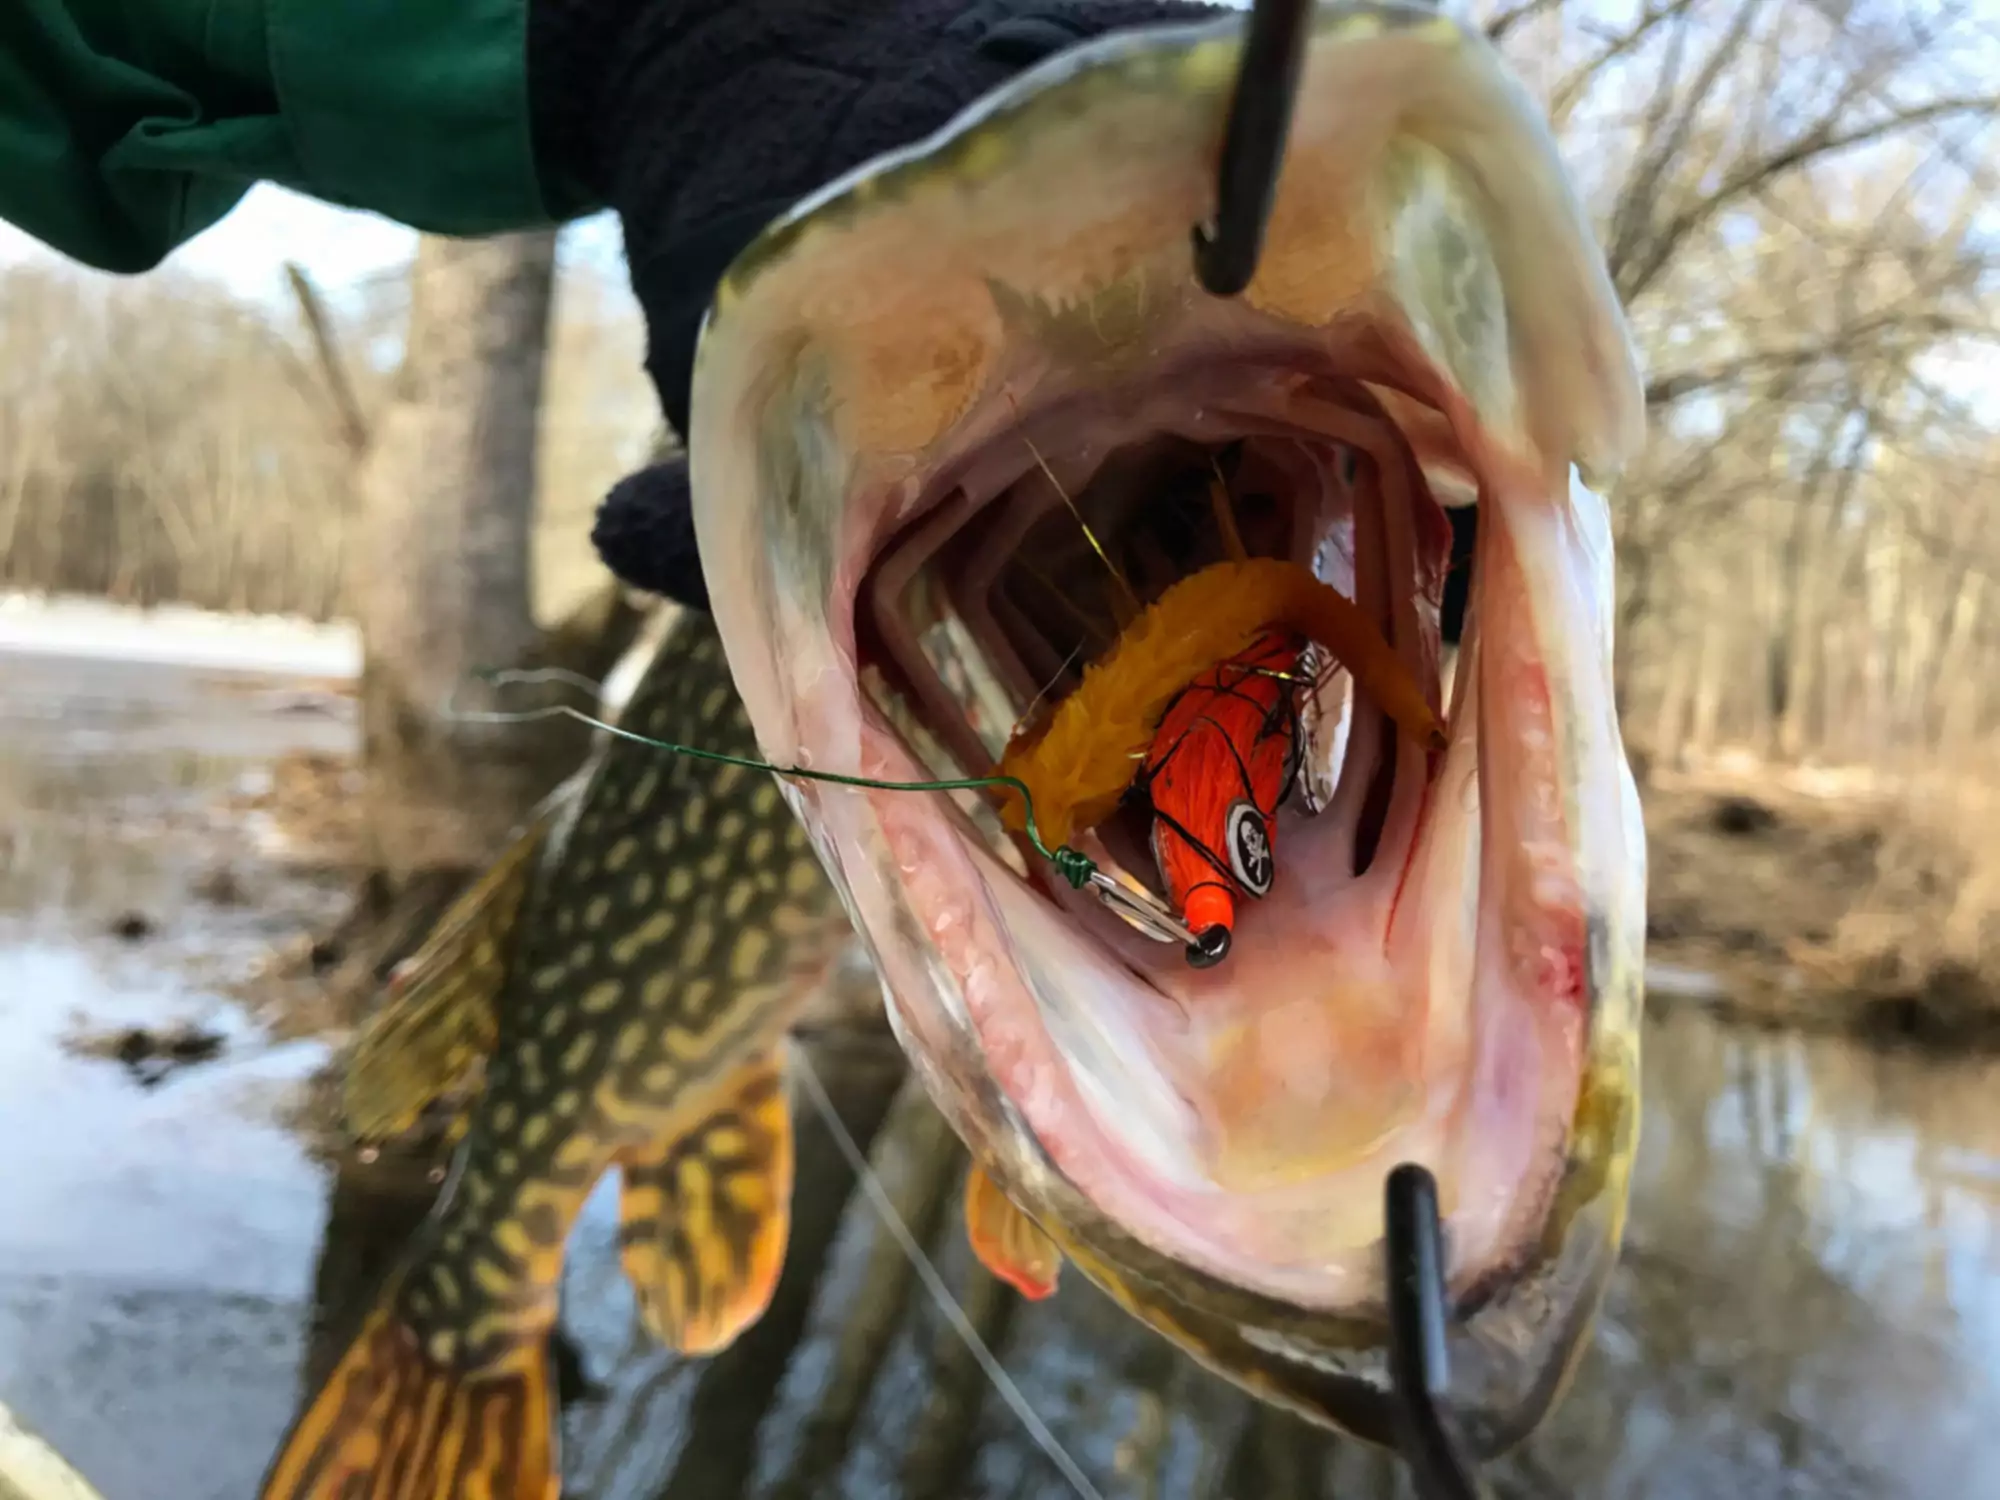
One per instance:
[(1821, 904)]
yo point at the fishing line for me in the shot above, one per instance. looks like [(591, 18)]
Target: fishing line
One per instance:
[(934, 1283), (1072, 864)]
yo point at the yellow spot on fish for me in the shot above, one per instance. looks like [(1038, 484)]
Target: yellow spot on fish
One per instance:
[(595, 913), (715, 702), (665, 836), (660, 1077), (642, 888), (658, 991), (442, 1346), (553, 1020), (694, 816), (680, 882), (631, 1041), (551, 977), (647, 933), (503, 1116), (737, 902), (764, 801), (508, 1163), (535, 1132), (583, 955), (730, 828), (746, 1191), (700, 939), (565, 921), (686, 1045), (759, 848), (1208, 68), (531, 1064), (447, 1285), (803, 878), (715, 866), (751, 947), (620, 854), (983, 155), (602, 996), (512, 1237), (491, 1279), (795, 836), (727, 1140), (567, 1102), (643, 789), (728, 778), (578, 1055)]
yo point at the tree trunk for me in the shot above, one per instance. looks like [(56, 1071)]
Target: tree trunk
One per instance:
[(441, 580)]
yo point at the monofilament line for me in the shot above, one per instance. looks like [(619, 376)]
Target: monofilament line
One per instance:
[(1072, 864), (934, 1283)]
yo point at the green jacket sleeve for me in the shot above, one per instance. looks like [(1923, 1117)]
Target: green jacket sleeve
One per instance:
[(129, 126)]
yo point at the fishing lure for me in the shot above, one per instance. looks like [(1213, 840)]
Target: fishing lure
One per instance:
[(1223, 760)]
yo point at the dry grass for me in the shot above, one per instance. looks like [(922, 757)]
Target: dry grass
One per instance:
[(162, 441)]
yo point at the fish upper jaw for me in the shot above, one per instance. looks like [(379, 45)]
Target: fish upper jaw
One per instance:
[(1464, 993)]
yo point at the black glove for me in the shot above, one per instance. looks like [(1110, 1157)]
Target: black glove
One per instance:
[(700, 121)]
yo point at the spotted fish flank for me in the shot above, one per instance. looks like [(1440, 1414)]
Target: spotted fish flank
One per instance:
[(630, 962)]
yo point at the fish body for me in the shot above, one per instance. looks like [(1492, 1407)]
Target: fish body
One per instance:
[(626, 972), (908, 394)]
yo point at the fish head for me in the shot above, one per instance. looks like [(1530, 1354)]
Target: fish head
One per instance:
[(947, 419)]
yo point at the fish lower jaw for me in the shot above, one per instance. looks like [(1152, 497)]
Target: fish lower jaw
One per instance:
[(1410, 989)]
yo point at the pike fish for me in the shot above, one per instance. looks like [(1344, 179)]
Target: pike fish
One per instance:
[(907, 396), (612, 994), (955, 418)]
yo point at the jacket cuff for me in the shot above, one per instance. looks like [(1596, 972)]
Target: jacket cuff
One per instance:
[(415, 109)]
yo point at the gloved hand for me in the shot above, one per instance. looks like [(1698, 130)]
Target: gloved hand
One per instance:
[(700, 121)]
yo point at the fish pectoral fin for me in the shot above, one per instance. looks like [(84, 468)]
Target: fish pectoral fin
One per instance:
[(394, 1424), (441, 1017), (1009, 1243), (705, 1216)]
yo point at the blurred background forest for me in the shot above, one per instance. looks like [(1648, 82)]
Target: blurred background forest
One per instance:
[(1797, 201)]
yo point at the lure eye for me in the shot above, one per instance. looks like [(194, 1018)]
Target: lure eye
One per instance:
[(1249, 844)]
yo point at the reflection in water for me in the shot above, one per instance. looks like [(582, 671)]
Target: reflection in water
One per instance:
[(1809, 1304)]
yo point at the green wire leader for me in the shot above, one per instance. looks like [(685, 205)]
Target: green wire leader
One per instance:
[(1072, 864)]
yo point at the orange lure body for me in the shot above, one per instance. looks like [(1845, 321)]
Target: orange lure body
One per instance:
[(1221, 762)]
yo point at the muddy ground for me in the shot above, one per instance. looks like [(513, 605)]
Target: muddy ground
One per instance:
[(1815, 911)]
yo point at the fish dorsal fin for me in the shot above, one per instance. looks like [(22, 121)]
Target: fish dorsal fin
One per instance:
[(442, 1015), (705, 1213), (1009, 1243)]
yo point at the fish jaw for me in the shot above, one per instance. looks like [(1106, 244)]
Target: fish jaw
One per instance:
[(1017, 294)]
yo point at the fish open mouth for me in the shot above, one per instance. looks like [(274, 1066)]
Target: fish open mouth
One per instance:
[(987, 428), (1242, 1117)]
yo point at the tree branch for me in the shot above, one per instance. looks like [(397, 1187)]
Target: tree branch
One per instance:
[(335, 387)]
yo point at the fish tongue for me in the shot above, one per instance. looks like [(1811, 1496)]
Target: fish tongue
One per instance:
[(1303, 1087)]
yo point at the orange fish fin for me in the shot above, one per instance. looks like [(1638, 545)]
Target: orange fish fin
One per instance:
[(394, 1424), (706, 1214), (1009, 1243)]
